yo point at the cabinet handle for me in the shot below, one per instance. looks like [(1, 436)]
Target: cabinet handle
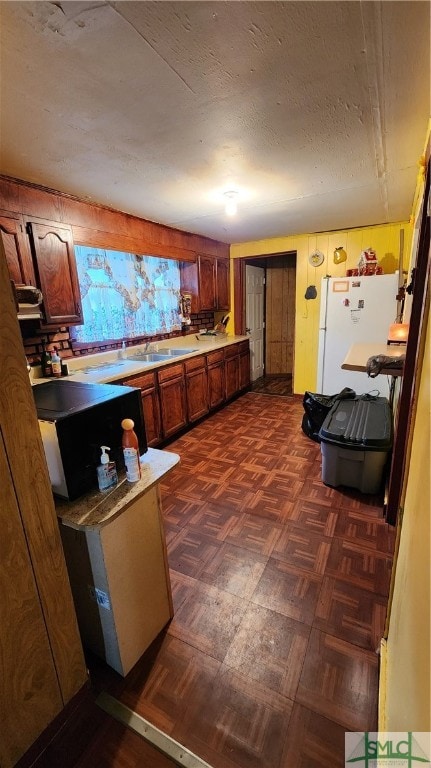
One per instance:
[(78, 309)]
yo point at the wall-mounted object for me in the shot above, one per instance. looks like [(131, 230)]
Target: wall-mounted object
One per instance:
[(311, 292), (316, 258), (340, 255)]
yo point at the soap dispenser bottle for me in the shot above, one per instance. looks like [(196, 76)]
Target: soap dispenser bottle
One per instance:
[(106, 471)]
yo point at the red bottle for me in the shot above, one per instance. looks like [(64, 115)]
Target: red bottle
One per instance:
[(131, 451)]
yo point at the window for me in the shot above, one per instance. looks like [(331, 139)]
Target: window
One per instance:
[(126, 296)]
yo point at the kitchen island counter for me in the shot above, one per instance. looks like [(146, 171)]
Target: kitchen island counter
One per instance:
[(115, 549), (97, 509)]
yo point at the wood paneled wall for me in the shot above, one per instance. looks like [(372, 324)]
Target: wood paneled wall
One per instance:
[(104, 227), (41, 659)]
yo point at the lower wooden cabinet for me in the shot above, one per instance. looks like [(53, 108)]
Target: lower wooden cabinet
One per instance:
[(196, 388), (231, 364), (244, 365), (172, 399), (180, 394), (150, 405), (216, 378)]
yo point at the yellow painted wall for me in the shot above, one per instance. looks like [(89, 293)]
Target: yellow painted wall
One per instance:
[(385, 239), (405, 674)]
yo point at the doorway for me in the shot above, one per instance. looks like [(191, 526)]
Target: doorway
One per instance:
[(278, 271)]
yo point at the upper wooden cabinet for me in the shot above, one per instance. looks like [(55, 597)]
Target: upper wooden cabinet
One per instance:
[(222, 284), (16, 248), (56, 273), (207, 279)]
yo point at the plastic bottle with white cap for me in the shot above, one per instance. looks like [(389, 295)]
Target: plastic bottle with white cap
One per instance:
[(106, 471)]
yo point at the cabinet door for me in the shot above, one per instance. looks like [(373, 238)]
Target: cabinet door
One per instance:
[(232, 376), (172, 399), (222, 281), (56, 269), (196, 389), (151, 409), (207, 289), (216, 384), (244, 370), (17, 249), (147, 383)]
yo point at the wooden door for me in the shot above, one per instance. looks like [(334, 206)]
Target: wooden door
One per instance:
[(17, 249), (222, 283), (57, 274), (244, 369), (196, 388), (254, 317), (151, 411), (207, 288), (232, 371), (280, 314), (172, 400), (216, 378)]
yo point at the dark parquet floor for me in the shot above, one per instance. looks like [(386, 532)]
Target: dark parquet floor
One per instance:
[(280, 588)]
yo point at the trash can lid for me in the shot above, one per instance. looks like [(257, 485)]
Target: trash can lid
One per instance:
[(361, 424)]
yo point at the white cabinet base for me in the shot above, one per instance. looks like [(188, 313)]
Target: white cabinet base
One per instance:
[(120, 582)]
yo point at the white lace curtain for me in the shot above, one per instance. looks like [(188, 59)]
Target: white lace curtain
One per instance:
[(126, 296)]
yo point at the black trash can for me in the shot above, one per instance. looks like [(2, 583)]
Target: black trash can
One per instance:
[(355, 440), (317, 407)]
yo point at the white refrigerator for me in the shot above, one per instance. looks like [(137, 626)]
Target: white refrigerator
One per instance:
[(353, 310)]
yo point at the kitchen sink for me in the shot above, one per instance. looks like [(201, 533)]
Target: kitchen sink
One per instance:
[(148, 357), (175, 352), (100, 366)]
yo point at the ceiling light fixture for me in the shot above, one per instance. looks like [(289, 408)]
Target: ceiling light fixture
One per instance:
[(231, 205)]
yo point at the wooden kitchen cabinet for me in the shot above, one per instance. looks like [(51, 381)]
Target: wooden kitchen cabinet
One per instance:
[(231, 364), (244, 364), (172, 399), (17, 248), (207, 279), (216, 378), (207, 282), (196, 388), (222, 284), (56, 273), (147, 383)]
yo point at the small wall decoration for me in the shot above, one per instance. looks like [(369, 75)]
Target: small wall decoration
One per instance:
[(316, 258), (340, 255)]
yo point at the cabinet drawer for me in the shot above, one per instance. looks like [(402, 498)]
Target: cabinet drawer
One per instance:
[(194, 363), (231, 351), (243, 346), (171, 372), (215, 357), (146, 381)]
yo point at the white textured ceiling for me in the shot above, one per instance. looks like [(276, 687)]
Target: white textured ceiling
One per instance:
[(316, 112)]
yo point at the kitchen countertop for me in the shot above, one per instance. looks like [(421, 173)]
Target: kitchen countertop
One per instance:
[(116, 368), (96, 508)]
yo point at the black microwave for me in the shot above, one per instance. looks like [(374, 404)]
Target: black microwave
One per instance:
[(75, 419)]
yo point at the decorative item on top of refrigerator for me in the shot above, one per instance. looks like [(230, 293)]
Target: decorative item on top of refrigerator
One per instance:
[(353, 310)]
